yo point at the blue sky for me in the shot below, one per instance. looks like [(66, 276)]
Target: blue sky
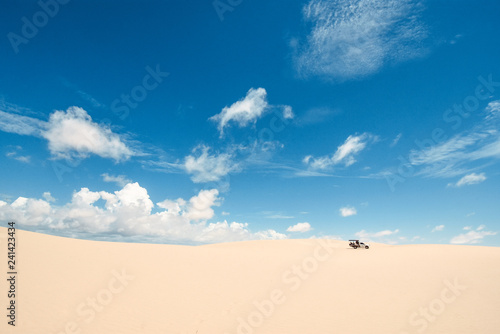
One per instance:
[(210, 121)]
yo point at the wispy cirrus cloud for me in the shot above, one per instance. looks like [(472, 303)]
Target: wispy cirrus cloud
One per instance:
[(279, 216), (354, 38), (15, 152), (120, 180), (395, 141), (380, 236), (21, 158), (469, 179), (21, 125), (344, 155), (473, 236), (460, 154)]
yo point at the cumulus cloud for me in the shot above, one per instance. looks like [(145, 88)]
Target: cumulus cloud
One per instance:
[(120, 180), (70, 134), (200, 206), (355, 38), (243, 112), (345, 153), (472, 237), (206, 167), (347, 211), (438, 228), (73, 134), (29, 211), (469, 179), (130, 213), (299, 227), (248, 110)]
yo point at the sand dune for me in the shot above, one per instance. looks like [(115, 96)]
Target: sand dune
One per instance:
[(287, 286)]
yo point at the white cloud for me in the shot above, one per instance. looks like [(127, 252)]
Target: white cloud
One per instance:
[(332, 237), (21, 125), (469, 179), (299, 227), (204, 167), (279, 216), (130, 213), (377, 236), (48, 197), (269, 235), (74, 134), (22, 158), (244, 111), (396, 140), (120, 180), (347, 211), (493, 110), (472, 237), (27, 210), (248, 110), (70, 134), (438, 228), (200, 206), (345, 153), (355, 38), (456, 156)]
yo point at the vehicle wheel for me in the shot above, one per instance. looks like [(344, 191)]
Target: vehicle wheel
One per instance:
[(366, 247)]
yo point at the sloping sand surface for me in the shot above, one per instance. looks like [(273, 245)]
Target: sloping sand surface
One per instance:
[(279, 287)]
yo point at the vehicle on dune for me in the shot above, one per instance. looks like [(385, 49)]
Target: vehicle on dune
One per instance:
[(356, 244)]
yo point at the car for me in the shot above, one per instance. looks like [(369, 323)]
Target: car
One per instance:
[(355, 244)]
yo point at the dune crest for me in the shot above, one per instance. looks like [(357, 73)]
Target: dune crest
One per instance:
[(286, 286)]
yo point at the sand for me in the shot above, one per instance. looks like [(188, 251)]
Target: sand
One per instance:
[(285, 286)]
